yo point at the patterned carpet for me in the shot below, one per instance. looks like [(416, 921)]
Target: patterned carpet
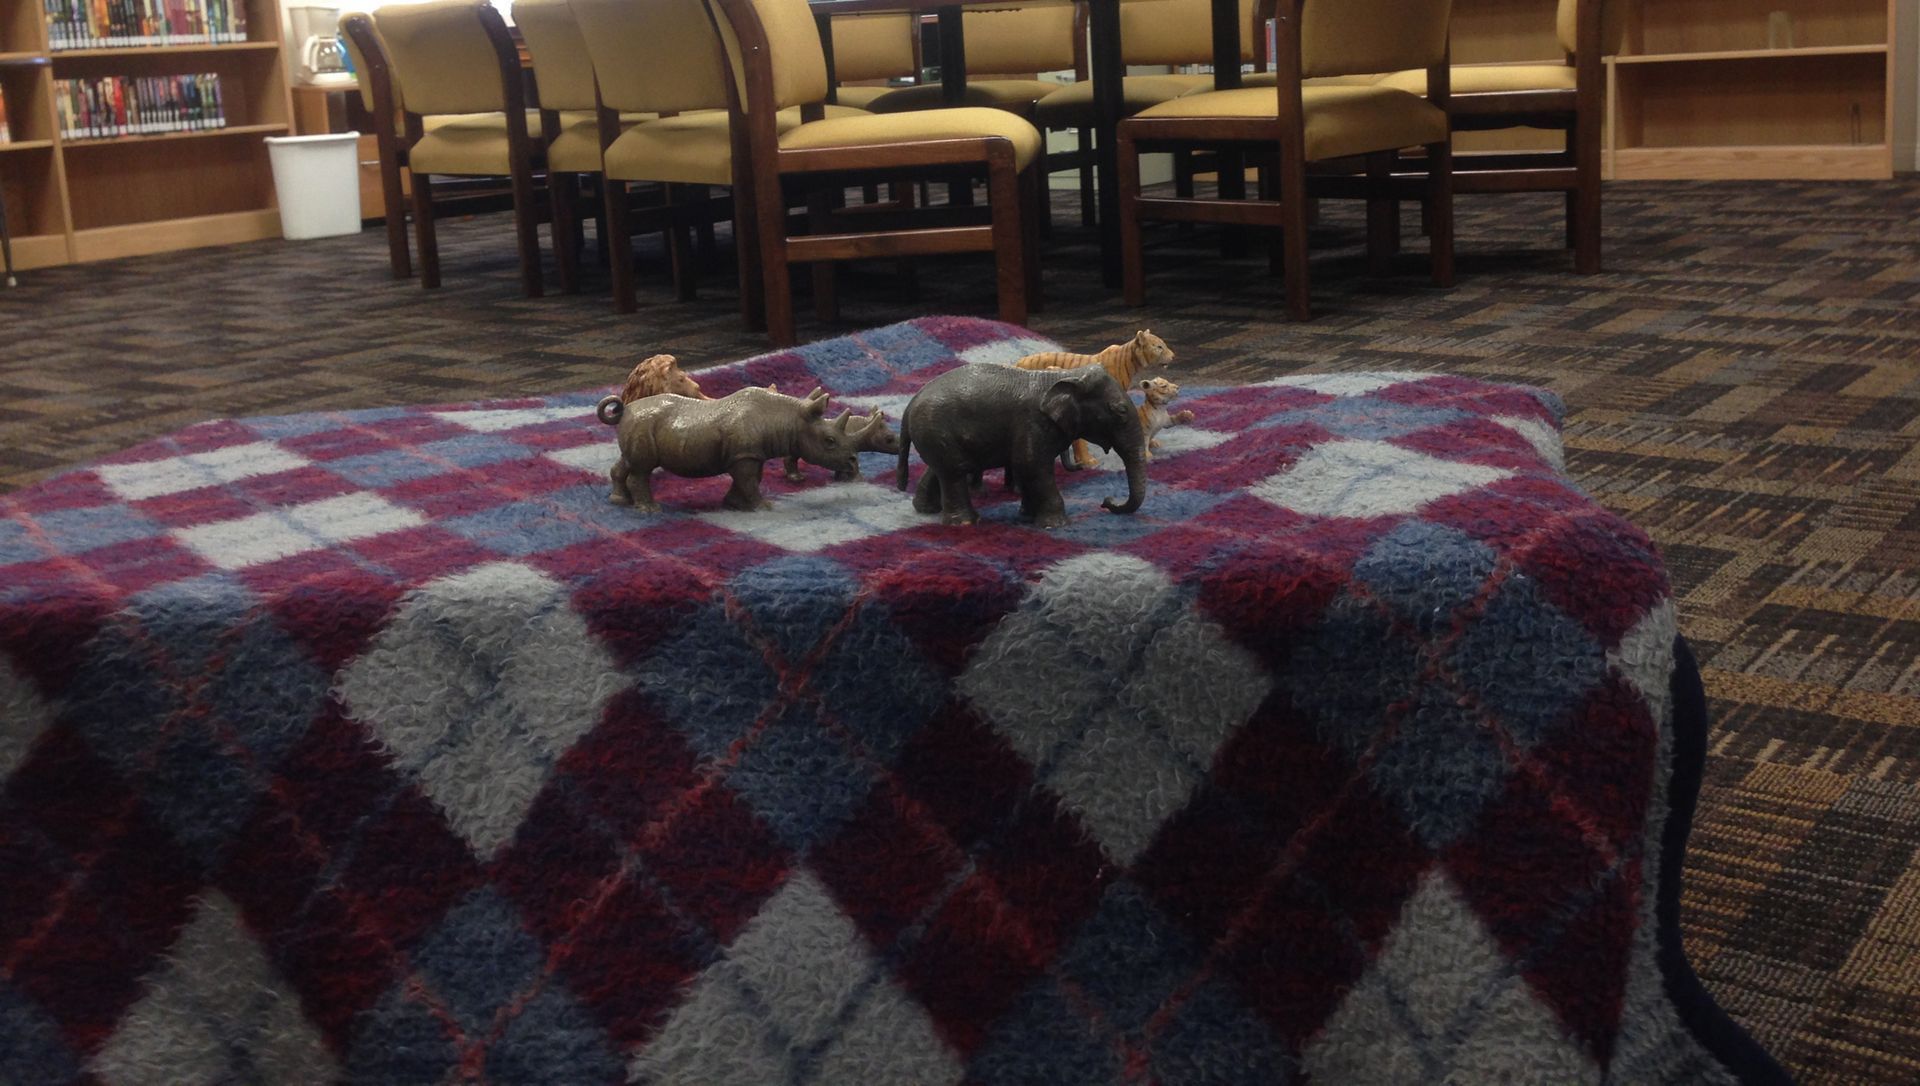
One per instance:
[(1744, 383)]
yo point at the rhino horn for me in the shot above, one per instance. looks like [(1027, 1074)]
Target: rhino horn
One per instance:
[(840, 424)]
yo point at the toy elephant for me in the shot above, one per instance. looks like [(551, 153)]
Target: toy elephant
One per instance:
[(978, 417), (870, 434), (736, 435)]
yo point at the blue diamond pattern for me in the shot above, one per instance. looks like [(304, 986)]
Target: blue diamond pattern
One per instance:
[(800, 780), (1425, 572), (1529, 663)]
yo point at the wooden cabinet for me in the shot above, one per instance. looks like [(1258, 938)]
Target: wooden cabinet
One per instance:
[(94, 199)]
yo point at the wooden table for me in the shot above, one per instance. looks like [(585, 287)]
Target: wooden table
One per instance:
[(1106, 67)]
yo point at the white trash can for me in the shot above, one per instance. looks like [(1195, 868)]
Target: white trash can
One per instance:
[(318, 182)]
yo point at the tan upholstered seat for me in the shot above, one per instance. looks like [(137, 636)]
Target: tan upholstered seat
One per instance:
[(1072, 105), (938, 124), (576, 149), (989, 93), (862, 97), (691, 148), (1490, 78), (1340, 121)]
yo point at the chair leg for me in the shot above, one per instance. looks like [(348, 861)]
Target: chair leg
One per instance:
[(423, 232), (770, 213), (394, 202), (1293, 210), (526, 229), (563, 194), (1183, 174), (1381, 226), (1583, 206), (680, 243), (1009, 242), (1133, 275), (704, 242), (1440, 196), (1033, 202), (1233, 186), (826, 294), (617, 239), (746, 245), (1089, 187)]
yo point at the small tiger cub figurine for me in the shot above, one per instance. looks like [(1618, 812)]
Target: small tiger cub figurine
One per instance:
[(1123, 360), (1154, 417)]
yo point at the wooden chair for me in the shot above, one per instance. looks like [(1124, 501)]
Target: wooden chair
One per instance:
[(569, 120), (1166, 32), (870, 48), (1039, 39), (456, 58), (1296, 124), (778, 63), (378, 83), (1569, 97), (665, 58)]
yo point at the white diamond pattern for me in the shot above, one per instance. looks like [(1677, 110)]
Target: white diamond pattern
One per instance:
[(477, 686), (1117, 690), (1370, 479), (215, 1012)]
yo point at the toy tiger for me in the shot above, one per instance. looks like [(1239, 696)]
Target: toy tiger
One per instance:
[(1123, 360), (1154, 417)]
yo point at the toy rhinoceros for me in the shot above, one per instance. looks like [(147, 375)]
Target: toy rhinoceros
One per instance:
[(734, 435)]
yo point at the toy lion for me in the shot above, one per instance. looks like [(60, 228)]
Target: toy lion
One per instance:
[(661, 373)]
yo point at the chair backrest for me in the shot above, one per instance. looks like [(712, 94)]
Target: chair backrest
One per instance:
[(874, 47), (1038, 39), (1177, 32), (447, 54), (1613, 24), (772, 47), (661, 56), (1365, 37), (368, 54), (561, 62)]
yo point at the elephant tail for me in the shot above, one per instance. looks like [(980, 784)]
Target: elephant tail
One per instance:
[(610, 410), (906, 446)]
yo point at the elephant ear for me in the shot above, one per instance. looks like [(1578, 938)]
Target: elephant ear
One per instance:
[(1062, 404)]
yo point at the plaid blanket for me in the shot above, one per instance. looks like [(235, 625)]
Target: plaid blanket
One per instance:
[(377, 746)]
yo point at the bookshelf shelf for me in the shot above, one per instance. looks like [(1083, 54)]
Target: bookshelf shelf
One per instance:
[(1756, 54), (164, 137), (163, 50), (97, 199)]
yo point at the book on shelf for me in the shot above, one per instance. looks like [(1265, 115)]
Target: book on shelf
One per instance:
[(107, 24), (118, 105), (6, 131)]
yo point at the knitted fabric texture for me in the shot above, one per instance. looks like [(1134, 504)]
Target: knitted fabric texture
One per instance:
[(377, 746)]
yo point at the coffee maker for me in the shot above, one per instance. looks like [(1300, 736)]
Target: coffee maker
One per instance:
[(314, 32)]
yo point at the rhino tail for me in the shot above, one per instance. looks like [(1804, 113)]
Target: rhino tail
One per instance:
[(610, 410)]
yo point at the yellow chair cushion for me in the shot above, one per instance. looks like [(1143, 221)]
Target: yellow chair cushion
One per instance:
[(1339, 121), (1357, 37), (990, 93), (577, 148), (863, 97), (441, 52), (1072, 105), (467, 144), (1489, 78), (882, 128), (691, 148)]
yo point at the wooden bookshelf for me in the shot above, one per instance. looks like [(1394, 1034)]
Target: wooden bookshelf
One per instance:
[(1699, 92), (96, 199)]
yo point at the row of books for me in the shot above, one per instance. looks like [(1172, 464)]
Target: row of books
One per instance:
[(105, 24), (119, 105), (6, 131)]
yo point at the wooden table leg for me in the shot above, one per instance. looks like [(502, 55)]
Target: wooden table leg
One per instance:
[(1108, 68)]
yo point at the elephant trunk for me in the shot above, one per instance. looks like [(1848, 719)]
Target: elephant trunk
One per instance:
[(1133, 454)]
